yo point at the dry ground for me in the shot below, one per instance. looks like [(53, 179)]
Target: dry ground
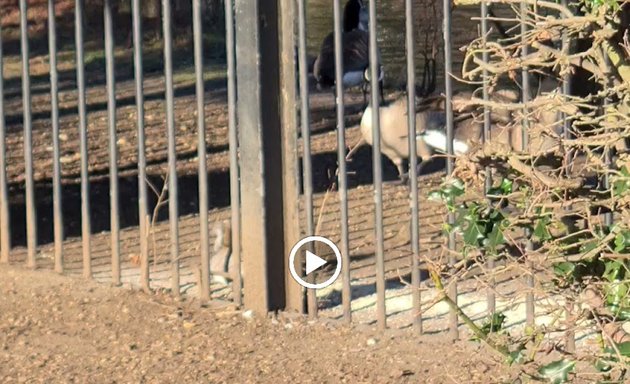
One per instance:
[(59, 329)]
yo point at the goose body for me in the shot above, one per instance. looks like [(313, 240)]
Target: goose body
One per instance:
[(430, 132), (356, 59), (355, 51)]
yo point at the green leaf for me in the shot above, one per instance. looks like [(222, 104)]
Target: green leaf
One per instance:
[(617, 290), (450, 190), (624, 349), (517, 357), (603, 365), (495, 238), (453, 188), (564, 269), (436, 196), (588, 246), (472, 233), (505, 188), (614, 270), (617, 299), (621, 184), (541, 230), (594, 5), (623, 313), (558, 371), (622, 241), (494, 323)]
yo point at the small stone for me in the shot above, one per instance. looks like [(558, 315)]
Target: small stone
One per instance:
[(371, 341), (249, 314)]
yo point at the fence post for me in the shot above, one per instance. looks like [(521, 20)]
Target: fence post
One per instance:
[(258, 116), (5, 229), (294, 291)]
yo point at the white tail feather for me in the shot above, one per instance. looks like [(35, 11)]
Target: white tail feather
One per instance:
[(437, 140)]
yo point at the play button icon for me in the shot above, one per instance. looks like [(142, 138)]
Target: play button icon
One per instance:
[(314, 262)]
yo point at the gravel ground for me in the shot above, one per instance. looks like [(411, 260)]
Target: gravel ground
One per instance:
[(60, 329)]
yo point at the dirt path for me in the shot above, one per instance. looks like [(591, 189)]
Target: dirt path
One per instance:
[(54, 328)]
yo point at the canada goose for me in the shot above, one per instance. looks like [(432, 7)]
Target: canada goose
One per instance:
[(394, 132), (356, 57), (431, 134), (393, 122)]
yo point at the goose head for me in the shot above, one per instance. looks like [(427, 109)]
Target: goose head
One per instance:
[(364, 18), (355, 16)]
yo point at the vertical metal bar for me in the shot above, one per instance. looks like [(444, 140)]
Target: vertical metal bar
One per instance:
[(413, 165), (529, 246), (290, 156), (608, 216), (529, 298), (566, 81), (143, 214), (378, 171), (486, 138), (86, 228), (113, 146), (54, 107), (524, 73), (235, 192), (306, 140), (257, 64), (566, 134), (608, 156), (173, 214), (5, 229), (448, 69), (341, 160), (204, 290), (31, 218)]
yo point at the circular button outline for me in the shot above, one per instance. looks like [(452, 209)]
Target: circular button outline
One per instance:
[(299, 245)]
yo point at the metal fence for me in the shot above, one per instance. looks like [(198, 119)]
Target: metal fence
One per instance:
[(271, 165)]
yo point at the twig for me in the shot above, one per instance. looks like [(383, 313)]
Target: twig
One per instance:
[(548, 181), (502, 349), (162, 200)]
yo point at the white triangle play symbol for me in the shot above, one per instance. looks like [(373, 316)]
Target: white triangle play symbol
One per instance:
[(313, 262)]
